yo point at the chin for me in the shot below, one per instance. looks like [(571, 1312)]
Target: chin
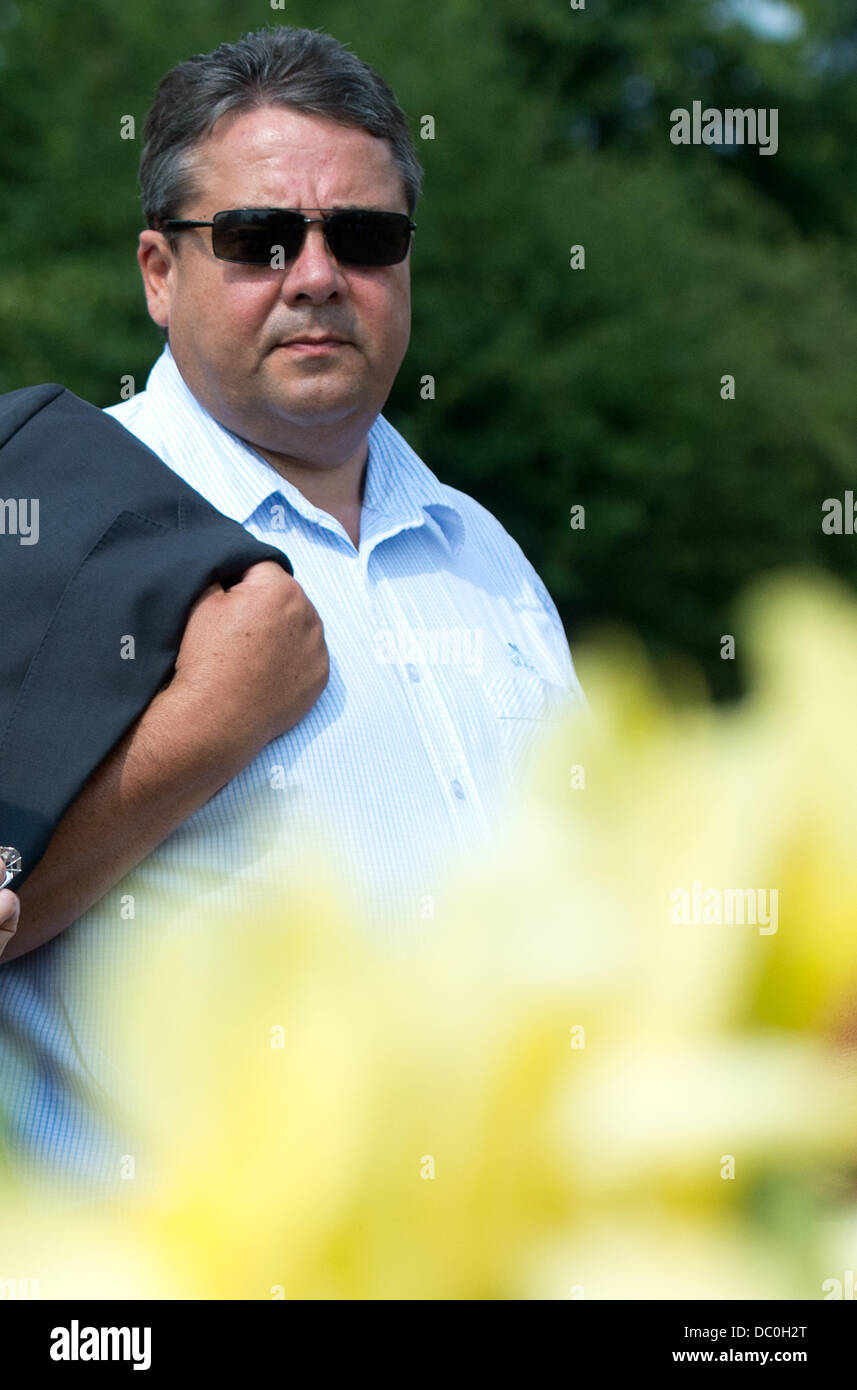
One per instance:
[(315, 410), (319, 396)]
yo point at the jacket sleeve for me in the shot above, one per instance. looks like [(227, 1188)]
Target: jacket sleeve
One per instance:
[(95, 597)]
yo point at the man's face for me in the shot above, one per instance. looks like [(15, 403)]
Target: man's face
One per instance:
[(227, 322)]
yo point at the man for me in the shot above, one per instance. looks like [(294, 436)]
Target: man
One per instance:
[(446, 654)]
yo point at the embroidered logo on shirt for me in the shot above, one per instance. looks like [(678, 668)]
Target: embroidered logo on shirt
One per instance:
[(519, 659)]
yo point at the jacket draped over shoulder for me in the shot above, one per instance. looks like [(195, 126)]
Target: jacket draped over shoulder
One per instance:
[(103, 550)]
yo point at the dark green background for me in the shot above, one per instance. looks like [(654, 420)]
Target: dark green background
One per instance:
[(554, 386)]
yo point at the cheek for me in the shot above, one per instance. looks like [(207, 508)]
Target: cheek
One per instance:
[(232, 314), (402, 319), (388, 315), (402, 308)]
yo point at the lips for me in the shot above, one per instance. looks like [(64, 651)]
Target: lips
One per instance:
[(308, 341)]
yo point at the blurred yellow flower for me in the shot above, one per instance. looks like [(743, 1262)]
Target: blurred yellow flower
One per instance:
[(566, 1088)]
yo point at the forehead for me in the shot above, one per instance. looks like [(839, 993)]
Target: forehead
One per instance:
[(276, 156)]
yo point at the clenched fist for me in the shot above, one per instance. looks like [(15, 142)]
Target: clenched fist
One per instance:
[(256, 656)]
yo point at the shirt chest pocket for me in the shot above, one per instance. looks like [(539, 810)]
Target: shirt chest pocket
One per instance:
[(524, 706)]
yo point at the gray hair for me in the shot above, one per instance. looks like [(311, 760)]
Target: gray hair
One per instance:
[(303, 68)]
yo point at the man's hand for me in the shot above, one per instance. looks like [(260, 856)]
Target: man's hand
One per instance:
[(255, 654), (251, 664)]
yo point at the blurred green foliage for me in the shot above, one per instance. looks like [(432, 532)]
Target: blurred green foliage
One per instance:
[(555, 387)]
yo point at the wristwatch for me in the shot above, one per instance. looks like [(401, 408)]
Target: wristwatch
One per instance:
[(10, 864)]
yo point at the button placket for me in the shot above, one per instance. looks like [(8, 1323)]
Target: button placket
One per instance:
[(431, 713)]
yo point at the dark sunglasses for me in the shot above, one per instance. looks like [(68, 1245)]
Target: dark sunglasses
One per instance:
[(355, 236)]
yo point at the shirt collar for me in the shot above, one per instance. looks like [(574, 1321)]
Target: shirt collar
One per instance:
[(400, 490)]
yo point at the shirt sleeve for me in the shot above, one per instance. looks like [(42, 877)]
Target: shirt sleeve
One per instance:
[(517, 576), (556, 636)]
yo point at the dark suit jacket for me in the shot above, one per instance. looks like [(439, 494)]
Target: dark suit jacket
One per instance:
[(124, 547)]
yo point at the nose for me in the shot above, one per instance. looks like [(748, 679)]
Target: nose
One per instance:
[(314, 274)]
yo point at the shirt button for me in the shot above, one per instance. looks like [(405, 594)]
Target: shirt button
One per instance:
[(412, 671), (458, 789)]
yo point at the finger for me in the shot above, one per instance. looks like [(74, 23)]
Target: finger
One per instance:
[(10, 910), (262, 572)]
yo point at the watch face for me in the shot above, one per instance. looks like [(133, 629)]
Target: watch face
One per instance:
[(10, 864)]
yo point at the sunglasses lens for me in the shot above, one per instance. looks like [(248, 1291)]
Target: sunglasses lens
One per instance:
[(369, 238), (251, 237)]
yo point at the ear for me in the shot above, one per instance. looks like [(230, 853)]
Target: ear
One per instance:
[(156, 260)]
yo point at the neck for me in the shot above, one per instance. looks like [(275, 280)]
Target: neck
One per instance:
[(336, 488)]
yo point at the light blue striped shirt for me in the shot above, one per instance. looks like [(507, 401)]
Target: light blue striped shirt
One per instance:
[(447, 656)]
